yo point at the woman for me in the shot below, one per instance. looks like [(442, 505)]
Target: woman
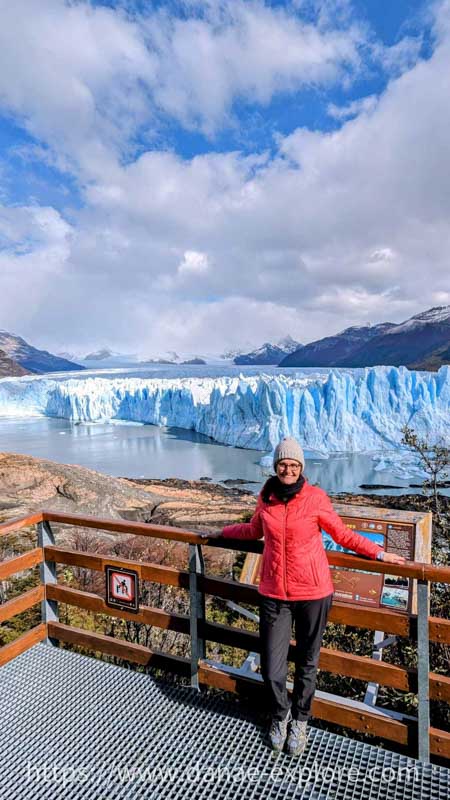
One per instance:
[(295, 585)]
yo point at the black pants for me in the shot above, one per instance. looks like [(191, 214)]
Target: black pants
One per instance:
[(275, 630)]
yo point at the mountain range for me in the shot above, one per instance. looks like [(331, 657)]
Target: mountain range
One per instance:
[(106, 358), (326, 351), (269, 354), (18, 355), (420, 342)]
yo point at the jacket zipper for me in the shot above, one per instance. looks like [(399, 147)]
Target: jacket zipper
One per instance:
[(284, 543)]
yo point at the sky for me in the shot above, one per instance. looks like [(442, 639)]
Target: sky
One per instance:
[(201, 176)]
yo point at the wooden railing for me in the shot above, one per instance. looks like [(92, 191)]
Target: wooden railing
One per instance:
[(415, 735)]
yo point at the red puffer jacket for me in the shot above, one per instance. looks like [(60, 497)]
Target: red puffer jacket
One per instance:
[(295, 565)]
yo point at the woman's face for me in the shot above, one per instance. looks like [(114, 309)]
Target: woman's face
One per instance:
[(288, 470)]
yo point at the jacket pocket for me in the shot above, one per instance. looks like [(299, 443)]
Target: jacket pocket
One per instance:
[(302, 572)]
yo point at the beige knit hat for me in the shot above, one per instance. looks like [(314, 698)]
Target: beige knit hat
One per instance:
[(288, 448)]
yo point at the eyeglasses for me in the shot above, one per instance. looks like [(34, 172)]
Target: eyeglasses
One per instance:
[(290, 467)]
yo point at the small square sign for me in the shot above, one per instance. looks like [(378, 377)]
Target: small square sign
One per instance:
[(122, 588)]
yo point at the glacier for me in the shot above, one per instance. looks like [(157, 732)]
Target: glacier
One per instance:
[(338, 411)]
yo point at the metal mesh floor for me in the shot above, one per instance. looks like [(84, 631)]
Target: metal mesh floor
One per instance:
[(76, 727)]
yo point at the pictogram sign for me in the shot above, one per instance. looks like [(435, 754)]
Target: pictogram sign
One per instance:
[(122, 588)]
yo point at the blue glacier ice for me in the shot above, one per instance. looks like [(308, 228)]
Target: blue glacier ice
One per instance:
[(338, 411)]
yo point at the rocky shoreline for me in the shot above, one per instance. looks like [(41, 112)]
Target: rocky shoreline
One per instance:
[(28, 483)]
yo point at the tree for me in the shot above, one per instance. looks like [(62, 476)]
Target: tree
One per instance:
[(434, 460)]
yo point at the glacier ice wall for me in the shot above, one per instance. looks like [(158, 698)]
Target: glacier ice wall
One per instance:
[(359, 411)]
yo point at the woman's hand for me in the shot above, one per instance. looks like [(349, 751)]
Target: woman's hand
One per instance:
[(392, 558), (211, 535)]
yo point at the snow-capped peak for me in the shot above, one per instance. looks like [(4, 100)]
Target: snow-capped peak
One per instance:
[(100, 355), (432, 315), (288, 344)]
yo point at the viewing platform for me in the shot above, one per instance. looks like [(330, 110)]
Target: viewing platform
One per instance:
[(74, 726)]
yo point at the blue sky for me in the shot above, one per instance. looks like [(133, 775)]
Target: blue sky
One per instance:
[(176, 164), (254, 125)]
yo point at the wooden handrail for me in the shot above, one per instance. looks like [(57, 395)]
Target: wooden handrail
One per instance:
[(22, 643), (129, 651), (127, 527), (20, 522), (360, 667), (22, 602), (19, 563), (90, 601), (342, 613), (97, 561), (337, 662), (412, 569)]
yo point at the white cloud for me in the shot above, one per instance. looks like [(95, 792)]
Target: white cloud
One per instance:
[(34, 253), (34, 229), (383, 254), (210, 327), (193, 263), (242, 49), (353, 109), (74, 75), (336, 229), (441, 298), (399, 57), (85, 78)]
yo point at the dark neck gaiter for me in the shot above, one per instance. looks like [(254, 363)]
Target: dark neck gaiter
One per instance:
[(280, 490)]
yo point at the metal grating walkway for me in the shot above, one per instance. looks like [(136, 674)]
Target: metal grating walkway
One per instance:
[(76, 727)]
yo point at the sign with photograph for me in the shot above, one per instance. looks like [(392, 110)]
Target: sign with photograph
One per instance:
[(369, 588), (122, 588)]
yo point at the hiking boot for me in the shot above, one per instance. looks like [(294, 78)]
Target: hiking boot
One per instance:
[(278, 732), (297, 738)]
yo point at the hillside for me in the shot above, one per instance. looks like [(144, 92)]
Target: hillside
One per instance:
[(28, 484), (32, 359), (331, 350), (10, 368), (268, 354), (420, 342)]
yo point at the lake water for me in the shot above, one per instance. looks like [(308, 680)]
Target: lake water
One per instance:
[(146, 451)]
